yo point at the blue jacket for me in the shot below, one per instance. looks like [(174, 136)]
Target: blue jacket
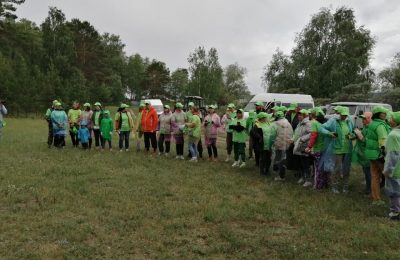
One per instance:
[(83, 135), (59, 119)]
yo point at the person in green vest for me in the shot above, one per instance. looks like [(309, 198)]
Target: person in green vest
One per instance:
[(239, 138), (391, 168), (123, 126), (265, 132), (249, 126), (139, 129), (340, 128), (194, 125), (106, 130), (47, 117), (74, 115), (189, 114), (96, 119), (359, 150), (375, 139), (227, 121)]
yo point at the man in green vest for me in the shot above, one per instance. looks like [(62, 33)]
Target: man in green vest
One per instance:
[(377, 133)]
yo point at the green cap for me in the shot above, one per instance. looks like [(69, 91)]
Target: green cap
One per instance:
[(240, 111), (304, 111), (231, 105), (178, 105), (57, 103), (317, 111), (142, 105), (396, 117), (259, 103), (379, 109), (191, 104), (212, 107), (283, 109), (337, 108), (124, 105), (54, 102), (262, 115), (106, 112), (344, 111), (275, 108), (293, 106), (97, 104), (147, 102), (279, 114), (86, 105), (167, 106)]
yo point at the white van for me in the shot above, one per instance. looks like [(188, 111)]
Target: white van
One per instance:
[(356, 109), (157, 104), (278, 99)]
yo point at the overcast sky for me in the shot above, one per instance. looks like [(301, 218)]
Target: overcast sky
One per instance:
[(243, 31)]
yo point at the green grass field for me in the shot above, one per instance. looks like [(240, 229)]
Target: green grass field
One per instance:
[(72, 204)]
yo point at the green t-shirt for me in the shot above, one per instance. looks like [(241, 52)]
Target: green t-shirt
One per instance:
[(125, 122), (343, 146), (195, 131), (319, 143), (74, 115), (239, 137)]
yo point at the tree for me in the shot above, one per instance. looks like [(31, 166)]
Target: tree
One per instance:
[(235, 87), (205, 74), (135, 76), (179, 83), (331, 53), (156, 79), (7, 9)]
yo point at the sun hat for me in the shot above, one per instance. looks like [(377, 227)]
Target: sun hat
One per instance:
[(379, 109)]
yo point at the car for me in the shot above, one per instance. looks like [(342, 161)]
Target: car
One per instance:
[(356, 110), (157, 104)]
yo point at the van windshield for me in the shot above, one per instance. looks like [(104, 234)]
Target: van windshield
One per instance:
[(159, 108)]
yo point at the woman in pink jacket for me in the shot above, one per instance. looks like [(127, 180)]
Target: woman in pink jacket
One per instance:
[(211, 124)]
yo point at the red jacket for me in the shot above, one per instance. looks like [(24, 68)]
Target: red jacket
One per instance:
[(149, 120)]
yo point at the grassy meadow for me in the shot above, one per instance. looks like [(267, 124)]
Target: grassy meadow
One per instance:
[(72, 204)]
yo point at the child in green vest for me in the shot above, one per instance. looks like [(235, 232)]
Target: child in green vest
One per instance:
[(106, 130), (239, 137)]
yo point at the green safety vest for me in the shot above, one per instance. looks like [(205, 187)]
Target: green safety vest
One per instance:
[(372, 149)]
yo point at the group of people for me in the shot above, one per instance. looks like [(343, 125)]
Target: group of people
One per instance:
[(319, 148)]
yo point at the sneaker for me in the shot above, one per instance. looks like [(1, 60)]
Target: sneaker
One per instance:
[(335, 191), (120, 150), (345, 190), (300, 181), (126, 150), (177, 157), (182, 157), (166, 155), (194, 159), (279, 179), (215, 160), (228, 158), (110, 149), (243, 164), (235, 164), (307, 184), (394, 216), (378, 203)]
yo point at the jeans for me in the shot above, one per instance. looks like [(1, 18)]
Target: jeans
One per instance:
[(161, 141), (193, 149), (150, 136), (280, 162), (367, 174), (265, 161), (239, 150), (124, 136)]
